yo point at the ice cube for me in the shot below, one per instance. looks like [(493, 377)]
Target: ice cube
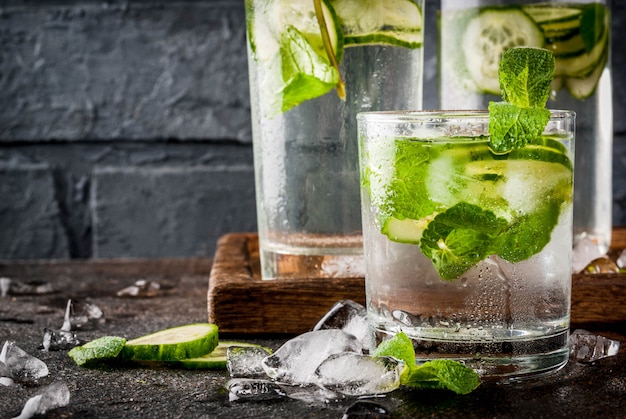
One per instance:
[(243, 361), (84, 315), (253, 389), (296, 361), (59, 340), (354, 374), (351, 317), (142, 288), (312, 394), (50, 397), (585, 250), (5, 284), (24, 367), (589, 347), (6, 377)]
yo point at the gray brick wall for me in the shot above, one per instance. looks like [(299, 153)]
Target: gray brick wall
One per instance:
[(125, 127)]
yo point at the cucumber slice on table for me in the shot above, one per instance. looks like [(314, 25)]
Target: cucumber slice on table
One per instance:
[(106, 347), (488, 35), (394, 22), (216, 360), (183, 342)]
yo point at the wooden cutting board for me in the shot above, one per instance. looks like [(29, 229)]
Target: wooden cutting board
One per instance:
[(240, 302)]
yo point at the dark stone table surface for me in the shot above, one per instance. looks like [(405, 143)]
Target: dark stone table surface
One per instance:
[(578, 390)]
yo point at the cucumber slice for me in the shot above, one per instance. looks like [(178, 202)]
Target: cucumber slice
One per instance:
[(394, 22), (216, 360), (584, 64), (183, 342), (583, 87), (488, 35), (404, 231), (546, 14), (106, 347)]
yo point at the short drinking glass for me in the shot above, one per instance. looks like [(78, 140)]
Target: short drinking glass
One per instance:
[(466, 251)]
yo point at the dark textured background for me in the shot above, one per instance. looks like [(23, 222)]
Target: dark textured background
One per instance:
[(125, 127)]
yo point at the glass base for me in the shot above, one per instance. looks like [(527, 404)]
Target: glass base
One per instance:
[(313, 257), (498, 360)]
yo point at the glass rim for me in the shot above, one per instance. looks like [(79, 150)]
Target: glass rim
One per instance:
[(448, 115)]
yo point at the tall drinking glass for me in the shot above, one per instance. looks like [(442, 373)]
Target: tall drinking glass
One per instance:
[(473, 36), (466, 251), (304, 131)]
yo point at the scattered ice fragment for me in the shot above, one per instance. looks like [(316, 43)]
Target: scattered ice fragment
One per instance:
[(296, 361), (5, 283), (50, 397), (351, 317), (12, 287), (354, 374), (59, 340), (84, 316), (243, 361), (142, 288), (602, 265), (24, 367), (6, 377), (366, 409), (253, 389), (585, 250), (588, 347), (621, 259)]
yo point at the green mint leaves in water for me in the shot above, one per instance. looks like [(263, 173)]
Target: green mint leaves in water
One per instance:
[(441, 374), (525, 75), (464, 202)]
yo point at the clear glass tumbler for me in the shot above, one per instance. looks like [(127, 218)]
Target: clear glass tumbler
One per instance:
[(304, 131), (468, 252), (472, 38)]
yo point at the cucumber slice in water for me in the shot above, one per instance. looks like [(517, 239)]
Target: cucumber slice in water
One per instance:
[(394, 22), (488, 35), (583, 87), (183, 342)]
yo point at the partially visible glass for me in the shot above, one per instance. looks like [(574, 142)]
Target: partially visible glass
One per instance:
[(304, 134), (578, 32), (468, 252)]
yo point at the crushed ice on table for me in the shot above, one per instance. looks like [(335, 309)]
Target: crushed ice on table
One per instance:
[(142, 288), (585, 251), (47, 398), (6, 376), (351, 317), (355, 374), (253, 389), (296, 361), (24, 368), (9, 286), (244, 361), (589, 347), (64, 338)]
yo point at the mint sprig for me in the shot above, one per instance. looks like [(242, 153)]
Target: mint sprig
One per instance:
[(525, 75), (441, 374)]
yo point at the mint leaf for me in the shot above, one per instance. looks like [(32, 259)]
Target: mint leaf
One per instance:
[(525, 75), (306, 74), (530, 233), (99, 349), (444, 374), (512, 127), (460, 237), (592, 24), (400, 347)]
